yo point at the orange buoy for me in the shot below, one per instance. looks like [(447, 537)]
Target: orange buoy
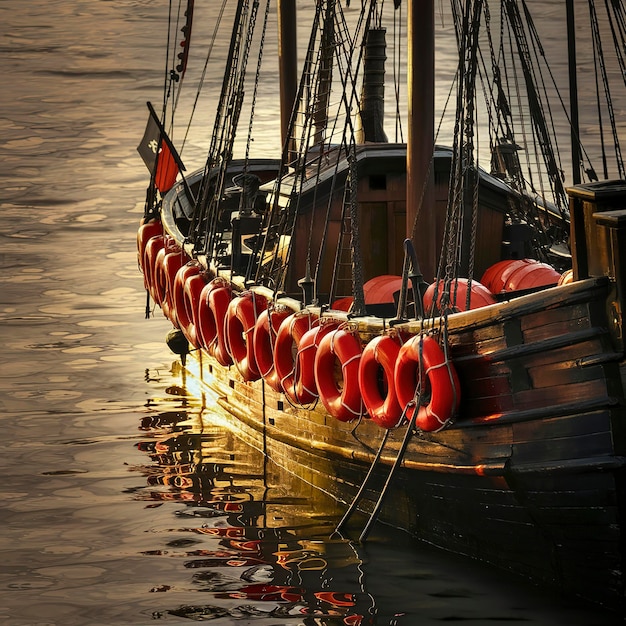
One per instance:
[(382, 289), (495, 277), (479, 295), (288, 338), (491, 276), (423, 373), (378, 290), (376, 380), (340, 395), (241, 317), (342, 304), (531, 275), (519, 274), (265, 332)]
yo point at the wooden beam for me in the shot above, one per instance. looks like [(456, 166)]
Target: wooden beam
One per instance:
[(287, 62), (421, 132)]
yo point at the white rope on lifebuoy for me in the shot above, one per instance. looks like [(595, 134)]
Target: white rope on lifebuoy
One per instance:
[(422, 366), (342, 399), (241, 317), (380, 356)]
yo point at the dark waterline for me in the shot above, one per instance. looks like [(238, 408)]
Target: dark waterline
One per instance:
[(124, 499)]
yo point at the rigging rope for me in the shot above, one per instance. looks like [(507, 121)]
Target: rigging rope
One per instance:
[(276, 215), (348, 69), (397, 58), (166, 77), (221, 150), (244, 199), (174, 74), (332, 47), (461, 176), (218, 22), (605, 169), (605, 82)]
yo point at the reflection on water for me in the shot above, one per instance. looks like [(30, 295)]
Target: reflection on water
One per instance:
[(244, 542), (252, 548), (134, 505)]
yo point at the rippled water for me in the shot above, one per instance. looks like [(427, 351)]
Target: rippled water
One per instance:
[(123, 499)]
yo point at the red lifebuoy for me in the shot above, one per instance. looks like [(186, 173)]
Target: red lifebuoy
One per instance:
[(148, 265), (178, 314), (286, 354), (421, 361), (265, 332), (166, 275), (239, 324), (143, 245), (305, 388), (206, 326), (342, 398), (219, 298), (145, 232), (188, 310), (155, 257), (376, 380)]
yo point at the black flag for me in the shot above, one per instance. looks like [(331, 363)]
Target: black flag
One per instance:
[(159, 154)]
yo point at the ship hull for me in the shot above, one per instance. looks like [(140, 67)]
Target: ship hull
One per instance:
[(537, 489), (527, 475)]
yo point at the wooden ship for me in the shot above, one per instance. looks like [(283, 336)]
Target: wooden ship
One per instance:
[(438, 346)]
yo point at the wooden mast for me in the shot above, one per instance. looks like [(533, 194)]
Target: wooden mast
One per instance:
[(421, 132), (287, 62), (573, 90)]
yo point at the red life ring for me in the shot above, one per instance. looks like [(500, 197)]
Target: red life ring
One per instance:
[(178, 314), (380, 355), (422, 361), (159, 278), (206, 327), (239, 324), (342, 398), (305, 388), (286, 352), (149, 234), (166, 275), (145, 232), (188, 312), (148, 264), (219, 298), (265, 332)]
